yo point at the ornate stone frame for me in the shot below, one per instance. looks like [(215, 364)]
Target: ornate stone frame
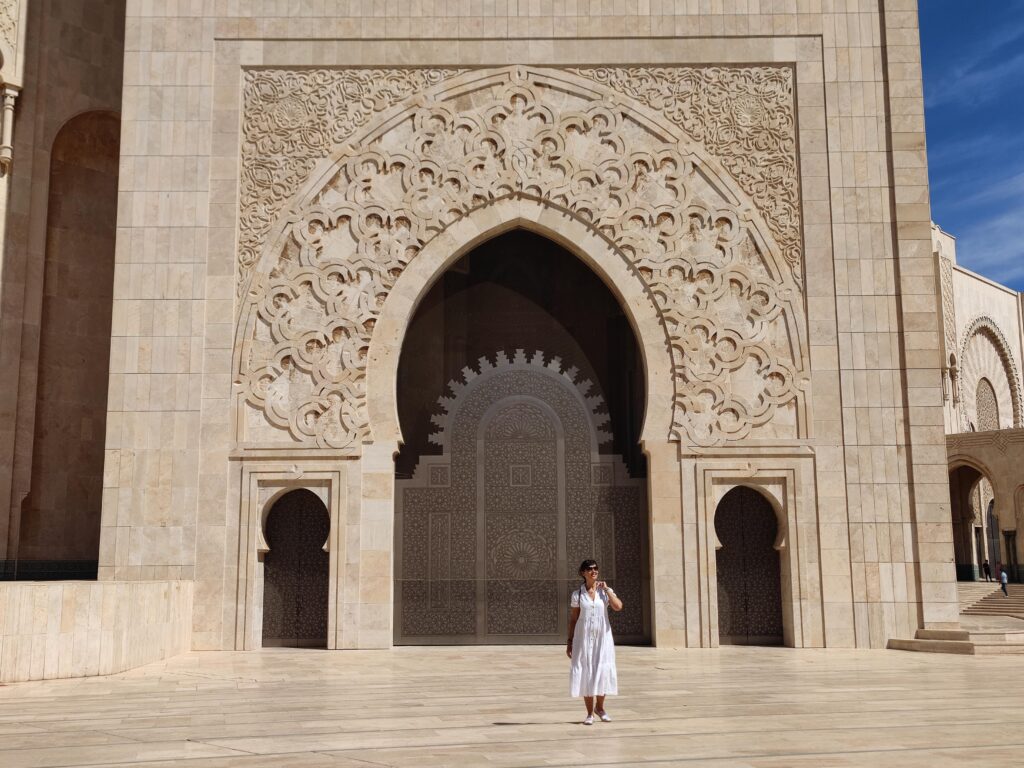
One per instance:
[(261, 484), (786, 482), (986, 326), (676, 619), (688, 252)]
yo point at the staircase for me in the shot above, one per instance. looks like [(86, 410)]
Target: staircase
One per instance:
[(991, 622), (995, 603), (970, 592)]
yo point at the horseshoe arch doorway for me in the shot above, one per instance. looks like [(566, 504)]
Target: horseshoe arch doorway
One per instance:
[(295, 572), (520, 395), (748, 570)]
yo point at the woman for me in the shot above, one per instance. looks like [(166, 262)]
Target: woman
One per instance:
[(592, 650)]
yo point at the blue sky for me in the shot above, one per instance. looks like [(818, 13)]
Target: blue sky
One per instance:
[(973, 56)]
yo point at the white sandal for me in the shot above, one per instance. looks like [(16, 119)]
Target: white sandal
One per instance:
[(589, 720), (605, 717)]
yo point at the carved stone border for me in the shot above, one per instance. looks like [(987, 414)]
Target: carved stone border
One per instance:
[(623, 170), (986, 325), (742, 115)]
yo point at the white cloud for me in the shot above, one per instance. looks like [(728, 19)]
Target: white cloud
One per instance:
[(973, 147), (973, 86), (994, 247), (1005, 190), (980, 71)]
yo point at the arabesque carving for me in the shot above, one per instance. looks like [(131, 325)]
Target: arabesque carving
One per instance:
[(504, 556), (294, 119), (728, 300), (9, 23), (986, 406), (948, 304), (985, 353), (743, 116)]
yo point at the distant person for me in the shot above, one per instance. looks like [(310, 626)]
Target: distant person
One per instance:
[(1003, 579), (592, 650), (987, 570)]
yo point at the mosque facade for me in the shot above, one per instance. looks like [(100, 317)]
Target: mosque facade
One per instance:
[(359, 324)]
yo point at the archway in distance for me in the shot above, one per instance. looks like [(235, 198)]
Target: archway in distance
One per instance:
[(59, 527), (974, 541), (530, 462)]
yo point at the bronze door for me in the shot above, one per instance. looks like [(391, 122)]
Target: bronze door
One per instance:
[(489, 533), (295, 572), (747, 564), (521, 531)]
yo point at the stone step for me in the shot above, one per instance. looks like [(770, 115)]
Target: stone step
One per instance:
[(995, 610), (987, 642), (973, 591), (996, 636), (998, 604), (995, 649), (965, 647), (943, 634)]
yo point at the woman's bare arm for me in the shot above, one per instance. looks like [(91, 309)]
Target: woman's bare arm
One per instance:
[(613, 599)]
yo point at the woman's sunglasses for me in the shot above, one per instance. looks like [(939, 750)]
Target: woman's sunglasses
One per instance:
[(591, 568)]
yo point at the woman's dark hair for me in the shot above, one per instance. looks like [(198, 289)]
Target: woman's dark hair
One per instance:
[(586, 564)]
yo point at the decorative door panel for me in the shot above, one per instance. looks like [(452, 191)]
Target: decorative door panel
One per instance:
[(490, 533), (295, 572), (747, 565)]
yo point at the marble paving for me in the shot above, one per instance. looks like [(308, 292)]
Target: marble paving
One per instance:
[(507, 706)]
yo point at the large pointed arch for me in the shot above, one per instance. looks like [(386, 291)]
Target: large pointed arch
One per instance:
[(445, 169), (478, 227), (985, 354)]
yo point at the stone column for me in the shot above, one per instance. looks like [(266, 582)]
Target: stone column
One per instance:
[(10, 93), (673, 580), (369, 619)]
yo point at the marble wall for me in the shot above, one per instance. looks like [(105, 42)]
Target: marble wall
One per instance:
[(983, 343), (790, 135), (69, 62), (78, 629), (60, 518), (983, 398), (873, 437)]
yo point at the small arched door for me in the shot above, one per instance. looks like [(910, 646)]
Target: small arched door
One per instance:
[(295, 572), (748, 570)]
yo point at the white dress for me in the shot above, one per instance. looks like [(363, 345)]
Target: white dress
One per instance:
[(592, 670)]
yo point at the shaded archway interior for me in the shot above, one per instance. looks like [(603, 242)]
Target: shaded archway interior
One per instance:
[(520, 291), (528, 469), (976, 529), (59, 528), (748, 570), (295, 572)]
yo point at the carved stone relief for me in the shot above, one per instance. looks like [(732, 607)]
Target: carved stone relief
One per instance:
[(726, 284), (948, 304), (9, 23), (492, 556), (986, 406), (296, 118), (743, 116), (985, 354)]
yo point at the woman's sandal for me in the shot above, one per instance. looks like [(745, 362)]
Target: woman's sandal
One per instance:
[(588, 720), (605, 717)]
